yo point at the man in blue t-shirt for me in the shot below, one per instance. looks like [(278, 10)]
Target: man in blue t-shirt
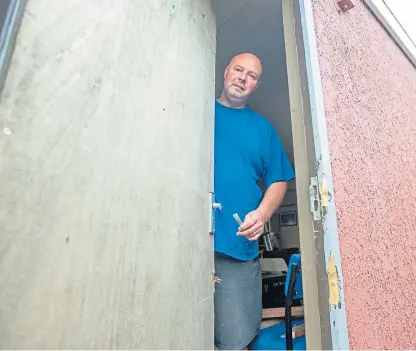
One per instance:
[(247, 150)]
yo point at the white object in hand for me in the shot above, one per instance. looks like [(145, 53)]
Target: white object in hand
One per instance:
[(237, 218)]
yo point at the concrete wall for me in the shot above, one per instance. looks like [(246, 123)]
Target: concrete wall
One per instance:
[(370, 103), (106, 144)]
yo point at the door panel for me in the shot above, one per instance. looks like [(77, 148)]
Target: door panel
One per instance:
[(105, 168)]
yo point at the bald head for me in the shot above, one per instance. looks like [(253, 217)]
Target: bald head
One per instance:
[(241, 78), (249, 60)]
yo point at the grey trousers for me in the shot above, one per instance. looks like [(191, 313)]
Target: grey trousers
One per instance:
[(237, 302)]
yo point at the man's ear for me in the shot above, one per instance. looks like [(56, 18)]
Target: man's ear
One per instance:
[(258, 84), (225, 71)]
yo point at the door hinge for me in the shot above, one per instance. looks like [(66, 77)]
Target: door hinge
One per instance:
[(314, 198), (212, 207)]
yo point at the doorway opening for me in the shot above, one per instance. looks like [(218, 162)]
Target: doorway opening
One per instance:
[(258, 27)]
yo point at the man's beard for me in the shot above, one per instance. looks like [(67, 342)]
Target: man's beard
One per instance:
[(233, 92)]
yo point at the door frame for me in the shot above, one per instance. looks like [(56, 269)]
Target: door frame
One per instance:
[(325, 312)]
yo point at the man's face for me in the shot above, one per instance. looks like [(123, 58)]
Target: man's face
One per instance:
[(242, 76)]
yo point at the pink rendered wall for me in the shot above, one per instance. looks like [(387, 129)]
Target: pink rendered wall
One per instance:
[(370, 103)]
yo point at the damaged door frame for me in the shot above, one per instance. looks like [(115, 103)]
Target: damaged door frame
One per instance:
[(325, 314)]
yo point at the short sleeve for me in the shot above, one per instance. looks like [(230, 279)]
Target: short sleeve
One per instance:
[(276, 167)]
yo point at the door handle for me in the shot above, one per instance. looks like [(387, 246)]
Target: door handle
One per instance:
[(216, 206), (212, 207)]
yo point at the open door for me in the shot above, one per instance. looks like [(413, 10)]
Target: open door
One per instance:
[(105, 173)]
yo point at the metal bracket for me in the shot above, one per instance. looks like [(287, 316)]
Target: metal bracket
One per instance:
[(314, 198)]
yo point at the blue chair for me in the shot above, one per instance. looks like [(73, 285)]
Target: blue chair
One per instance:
[(279, 336)]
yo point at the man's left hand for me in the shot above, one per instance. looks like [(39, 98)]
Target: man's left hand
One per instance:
[(253, 226)]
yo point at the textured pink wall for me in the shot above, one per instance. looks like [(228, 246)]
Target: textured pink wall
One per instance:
[(370, 103)]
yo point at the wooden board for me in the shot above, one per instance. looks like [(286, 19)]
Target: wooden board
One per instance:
[(280, 312)]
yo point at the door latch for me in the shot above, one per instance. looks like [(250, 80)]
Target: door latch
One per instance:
[(315, 201), (212, 207)]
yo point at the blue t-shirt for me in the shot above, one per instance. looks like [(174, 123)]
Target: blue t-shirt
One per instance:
[(247, 149)]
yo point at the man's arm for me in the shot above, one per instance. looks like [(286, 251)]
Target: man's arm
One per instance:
[(253, 224), (272, 199)]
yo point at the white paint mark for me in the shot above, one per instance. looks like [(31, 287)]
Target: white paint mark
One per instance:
[(7, 131)]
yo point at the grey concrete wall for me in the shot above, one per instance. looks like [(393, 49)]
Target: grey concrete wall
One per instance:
[(105, 149)]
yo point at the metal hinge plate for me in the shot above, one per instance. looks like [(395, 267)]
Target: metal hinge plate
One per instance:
[(314, 198)]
